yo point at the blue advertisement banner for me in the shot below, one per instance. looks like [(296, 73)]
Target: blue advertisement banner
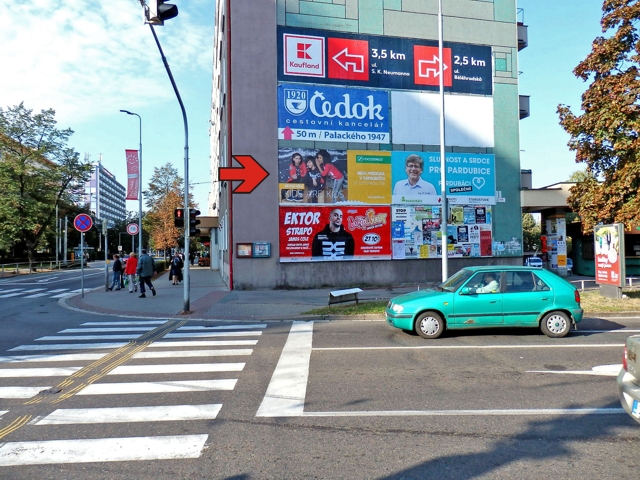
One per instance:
[(339, 114), (327, 57), (416, 178)]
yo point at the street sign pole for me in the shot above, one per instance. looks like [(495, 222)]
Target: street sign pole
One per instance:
[(82, 263)]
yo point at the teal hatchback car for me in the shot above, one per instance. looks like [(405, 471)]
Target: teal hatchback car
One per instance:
[(477, 297)]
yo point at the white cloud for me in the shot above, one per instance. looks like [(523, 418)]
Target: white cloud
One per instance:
[(84, 58)]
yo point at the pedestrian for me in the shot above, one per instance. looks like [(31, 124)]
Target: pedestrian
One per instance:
[(117, 273), (176, 269), (146, 269), (130, 270), (192, 257)]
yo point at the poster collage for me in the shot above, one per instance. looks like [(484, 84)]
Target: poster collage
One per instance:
[(378, 205)]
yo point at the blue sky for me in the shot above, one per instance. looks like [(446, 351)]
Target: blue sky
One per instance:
[(88, 59), (560, 36)]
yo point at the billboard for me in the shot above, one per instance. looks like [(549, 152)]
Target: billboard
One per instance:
[(333, 114), (334, 233), (609, 243), (329, 57)]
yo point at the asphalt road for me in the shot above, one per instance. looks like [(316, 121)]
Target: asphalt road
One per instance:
[(185, 399)]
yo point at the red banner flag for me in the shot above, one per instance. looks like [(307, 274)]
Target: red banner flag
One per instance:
[(133, 174)]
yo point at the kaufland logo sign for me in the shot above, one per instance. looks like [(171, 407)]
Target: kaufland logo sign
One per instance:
[(304, 55)]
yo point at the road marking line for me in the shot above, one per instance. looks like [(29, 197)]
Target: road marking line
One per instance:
[(102, 450), (205, 343), (21, 392), (288, 386), (2, 412), (58, 290), (37, 372), (11, 295), (70, 346), (470, 347), (33, 290), (159, 387), (475, 413), (13, 426), (212, 334), (11, 290), (164, 413), (223, 327), (150, 322), (107, 330), (600, 370), (608, 331), (194, 353), (70, 357), (37, 295), (176, 368)]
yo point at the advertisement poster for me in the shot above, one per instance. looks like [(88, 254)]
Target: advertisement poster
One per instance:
[(312, 176), (370, 179), (610, 267), (328, 57), (319, 233), (333, 114), (416, 178)]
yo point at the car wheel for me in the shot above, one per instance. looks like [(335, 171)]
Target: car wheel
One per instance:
[(555, 324), (429, 325)]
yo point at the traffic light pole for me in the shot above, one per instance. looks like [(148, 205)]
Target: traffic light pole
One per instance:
[(186, 307)]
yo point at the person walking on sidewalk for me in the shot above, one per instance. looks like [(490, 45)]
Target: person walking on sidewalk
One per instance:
[(130, 270), (117, 272), (176, 269), (146, 269)]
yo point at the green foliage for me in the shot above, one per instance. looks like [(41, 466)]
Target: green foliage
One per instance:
[(530, 233), (605, 137), (37, 172)]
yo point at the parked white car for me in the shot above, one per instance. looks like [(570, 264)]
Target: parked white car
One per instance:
[(535, 262), (629, 378)]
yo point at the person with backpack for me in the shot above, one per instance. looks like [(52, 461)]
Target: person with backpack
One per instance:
[(176, 269), (117, 273)]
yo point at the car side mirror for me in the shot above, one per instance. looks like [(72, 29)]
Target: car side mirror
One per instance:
[(465, 291)]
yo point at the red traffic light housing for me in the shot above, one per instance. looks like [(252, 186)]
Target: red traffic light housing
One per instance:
[(193, 222), (157, 11), (178, 218)]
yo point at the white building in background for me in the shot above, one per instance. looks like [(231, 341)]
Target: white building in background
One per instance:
[(105, 195)]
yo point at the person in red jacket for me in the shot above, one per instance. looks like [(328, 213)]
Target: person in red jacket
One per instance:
[(323, 162), (297, 169), (130, 271)]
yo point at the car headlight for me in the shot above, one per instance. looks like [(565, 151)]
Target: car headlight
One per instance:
[(397, 308)]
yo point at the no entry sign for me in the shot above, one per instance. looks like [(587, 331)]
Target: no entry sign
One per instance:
[(83, 222)]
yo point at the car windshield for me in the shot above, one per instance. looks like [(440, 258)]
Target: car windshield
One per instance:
[(452, 283)]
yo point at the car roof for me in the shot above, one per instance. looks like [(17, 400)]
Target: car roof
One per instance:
[(493, 268)]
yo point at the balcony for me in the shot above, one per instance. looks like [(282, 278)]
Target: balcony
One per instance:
[(523, 101), (523, 39)]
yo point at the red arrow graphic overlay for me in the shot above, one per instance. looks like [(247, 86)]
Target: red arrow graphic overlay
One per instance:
[(251, 174)]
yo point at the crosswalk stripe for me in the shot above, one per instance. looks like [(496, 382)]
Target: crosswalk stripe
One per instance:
[(164, 413), (203, 343), (70, 357), (102, 450), (194, 353), (37, 372), (20, 392), (176, 368), (11, 290), (222, 327), (33, 290), (37, 295), (70, 346), (212, 334), (2, 412), (159, 387), (67, 293), (107, 330), (145, 322), (58, 290), (11, 295)]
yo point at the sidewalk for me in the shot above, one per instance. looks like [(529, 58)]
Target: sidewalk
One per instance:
[(210, 299)]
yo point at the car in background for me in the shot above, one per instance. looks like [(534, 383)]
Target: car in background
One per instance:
[(629, 378), (535, 262), (569, 266), (523, 297)]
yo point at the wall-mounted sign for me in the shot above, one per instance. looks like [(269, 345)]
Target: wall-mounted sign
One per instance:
[(321, 56), (244, 250), (332, 114)]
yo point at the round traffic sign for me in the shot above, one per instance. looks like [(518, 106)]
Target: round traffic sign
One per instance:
[(83, 222), (132, 228)]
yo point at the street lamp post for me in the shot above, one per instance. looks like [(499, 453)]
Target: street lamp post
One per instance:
[(139, 184)]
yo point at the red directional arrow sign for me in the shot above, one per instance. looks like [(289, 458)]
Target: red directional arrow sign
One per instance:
[(251, 174)]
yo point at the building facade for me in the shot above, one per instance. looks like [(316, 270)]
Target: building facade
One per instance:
[(339, 101), (105, 195)]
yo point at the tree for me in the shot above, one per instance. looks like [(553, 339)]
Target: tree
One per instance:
[(37, 173), (530, 233), (606, 136)]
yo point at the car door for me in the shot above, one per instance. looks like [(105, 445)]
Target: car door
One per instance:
[(470, 308), (525, 296)]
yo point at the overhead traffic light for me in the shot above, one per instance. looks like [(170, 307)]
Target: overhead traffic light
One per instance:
[(178, 218), (157, 11), (193, 222)]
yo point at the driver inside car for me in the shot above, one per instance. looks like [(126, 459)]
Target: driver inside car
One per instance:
[(490, 284)]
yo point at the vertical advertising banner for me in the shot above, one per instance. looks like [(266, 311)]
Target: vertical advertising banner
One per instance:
[(609, 243), (133, 174), (316, 233), (370, 178)]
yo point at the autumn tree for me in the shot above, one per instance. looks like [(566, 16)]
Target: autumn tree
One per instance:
[(37, 173), (606, 136)]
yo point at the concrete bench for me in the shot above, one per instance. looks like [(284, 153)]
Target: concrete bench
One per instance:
[(347, 295)]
